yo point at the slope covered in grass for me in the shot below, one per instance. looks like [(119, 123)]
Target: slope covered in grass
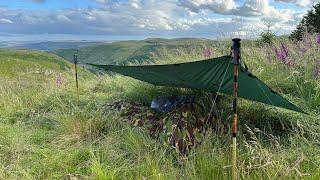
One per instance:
[(46, 133), (26, 76), (17, 62), (125, 52)]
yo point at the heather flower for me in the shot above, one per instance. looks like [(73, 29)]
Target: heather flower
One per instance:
[(268, 54), (318, 39), (283, 54), (307, 40), (284, 49), (317, 70), (303, 50), (59, 80), (207, 53)]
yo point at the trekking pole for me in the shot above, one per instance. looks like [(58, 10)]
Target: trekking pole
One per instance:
[(235, 61), (75, 60)]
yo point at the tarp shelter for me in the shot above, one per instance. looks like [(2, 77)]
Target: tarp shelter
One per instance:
[(215, 75)]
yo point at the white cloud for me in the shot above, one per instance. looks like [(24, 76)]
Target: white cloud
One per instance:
[(5, 21), (153, 18), (135, 4), (252, 11), (217, 6), (303, 3), (229, 7), (256, 8), (187, 24), (128, 17), (63, 18)]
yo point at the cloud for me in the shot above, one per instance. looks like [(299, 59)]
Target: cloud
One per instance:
[(255, 8), (217, 6), (302, 3), (153, 18), (63, 18), (131, 17), (5, 21), (229, 7), (260, 9)]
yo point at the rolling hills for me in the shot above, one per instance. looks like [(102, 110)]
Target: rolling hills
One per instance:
[(136, 52), (47, 45)]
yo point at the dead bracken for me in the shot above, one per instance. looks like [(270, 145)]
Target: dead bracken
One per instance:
[(183, 127)]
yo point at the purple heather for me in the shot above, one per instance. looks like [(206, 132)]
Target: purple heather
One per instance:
[(207, 53), (59, 80), (283, 54), (317, 70), (318, 39)]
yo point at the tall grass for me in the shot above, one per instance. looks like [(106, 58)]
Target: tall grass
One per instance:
[(46, 134)]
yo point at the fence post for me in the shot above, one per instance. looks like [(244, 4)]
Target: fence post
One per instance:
[(75, 60)]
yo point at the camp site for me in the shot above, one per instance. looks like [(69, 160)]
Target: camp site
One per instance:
[(147, 89)]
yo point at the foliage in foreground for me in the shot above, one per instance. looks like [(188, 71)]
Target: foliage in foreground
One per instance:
[(46, 133)]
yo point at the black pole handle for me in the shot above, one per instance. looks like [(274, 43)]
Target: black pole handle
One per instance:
[(236, 50)]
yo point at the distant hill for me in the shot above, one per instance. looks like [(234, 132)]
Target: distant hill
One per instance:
[(4, 44), (48, 45), (124, 52)]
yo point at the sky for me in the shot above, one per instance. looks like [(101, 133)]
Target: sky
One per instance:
[(138, 19)]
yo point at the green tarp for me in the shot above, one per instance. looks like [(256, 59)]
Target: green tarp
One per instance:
[(207, 75)]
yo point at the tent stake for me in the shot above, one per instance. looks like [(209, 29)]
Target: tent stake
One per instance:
[(235, 61), (75, 60)]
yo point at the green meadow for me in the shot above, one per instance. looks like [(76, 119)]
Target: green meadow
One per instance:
[(48, 131)]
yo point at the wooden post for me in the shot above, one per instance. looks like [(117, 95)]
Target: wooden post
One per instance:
[(75, 60), (236, 62)]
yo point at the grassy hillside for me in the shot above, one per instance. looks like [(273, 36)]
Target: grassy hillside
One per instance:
[(17, 62), (46, 133), (26, 74), (137, 52)]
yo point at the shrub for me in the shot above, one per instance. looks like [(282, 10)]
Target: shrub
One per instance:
[(267, 37)]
